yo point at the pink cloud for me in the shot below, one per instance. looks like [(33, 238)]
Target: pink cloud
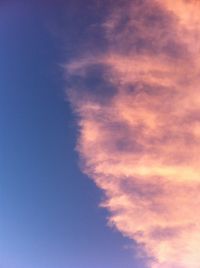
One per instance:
[(138, 106)]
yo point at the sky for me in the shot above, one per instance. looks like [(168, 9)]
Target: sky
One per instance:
[(49, 210), (99, 140)]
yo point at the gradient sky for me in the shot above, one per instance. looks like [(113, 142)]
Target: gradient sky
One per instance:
[(100, 134), (49, 214)]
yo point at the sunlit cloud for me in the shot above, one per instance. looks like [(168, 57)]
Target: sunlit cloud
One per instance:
[(138, 107)]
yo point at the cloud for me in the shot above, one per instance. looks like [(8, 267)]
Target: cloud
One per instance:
[(138, 107)]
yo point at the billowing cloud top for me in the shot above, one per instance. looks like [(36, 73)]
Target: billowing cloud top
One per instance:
[(138, 106)]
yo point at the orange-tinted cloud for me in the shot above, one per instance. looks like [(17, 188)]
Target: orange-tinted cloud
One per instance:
[(139, 118)]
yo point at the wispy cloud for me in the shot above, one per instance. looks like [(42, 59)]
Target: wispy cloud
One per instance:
[(139, 116)]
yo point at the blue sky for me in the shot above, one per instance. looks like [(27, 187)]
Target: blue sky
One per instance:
[(49, 214)]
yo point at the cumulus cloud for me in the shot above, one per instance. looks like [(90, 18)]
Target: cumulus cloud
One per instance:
[(138, 107)]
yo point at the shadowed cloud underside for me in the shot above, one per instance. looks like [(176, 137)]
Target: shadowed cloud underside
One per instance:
[(138, 107)]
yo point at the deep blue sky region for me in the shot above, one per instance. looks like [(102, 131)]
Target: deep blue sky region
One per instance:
[(49, 210)]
